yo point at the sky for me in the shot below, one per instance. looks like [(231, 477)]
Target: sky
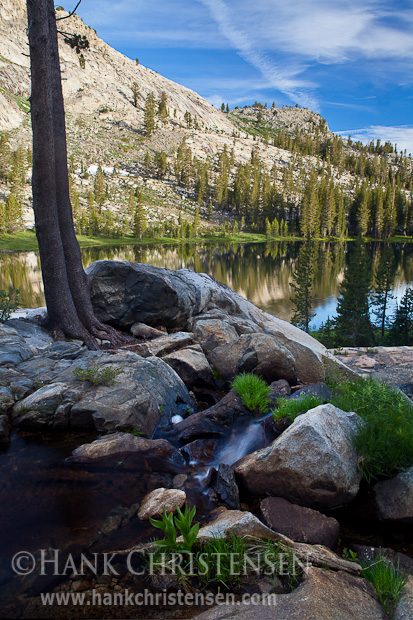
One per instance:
[(349, 60)]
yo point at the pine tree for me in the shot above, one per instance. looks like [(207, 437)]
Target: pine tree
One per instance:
[(99, 188), (5, 157), (401, 331), (162, 109), (12, 215), (135, 93), (382, 295), (139, 221), (149, 114), (353, 326), (302, 285)]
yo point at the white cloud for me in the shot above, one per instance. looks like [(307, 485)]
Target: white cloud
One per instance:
[(283, 78), (402, 135)]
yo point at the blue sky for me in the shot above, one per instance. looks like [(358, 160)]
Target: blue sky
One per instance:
[(349, 60)]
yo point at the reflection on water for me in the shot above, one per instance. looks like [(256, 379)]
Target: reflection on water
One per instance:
[(260, 272)]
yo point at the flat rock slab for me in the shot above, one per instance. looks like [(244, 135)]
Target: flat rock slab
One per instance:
[(299, 523), (323, 595), (391, 364), (120, 445), (154, 503)]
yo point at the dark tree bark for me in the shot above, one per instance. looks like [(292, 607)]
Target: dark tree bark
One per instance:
[(66, 286)]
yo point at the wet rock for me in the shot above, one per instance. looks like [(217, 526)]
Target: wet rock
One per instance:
[(313, 463), (199, 451), (323, 595), (155, 502), (320, 390), (124, 293), (120, 445), (179, 480), (210, 422), (113, 520), (226, 486), (299, 523), (258, 353), (279, 389), (192, 366), (4, 431), (394, 498)]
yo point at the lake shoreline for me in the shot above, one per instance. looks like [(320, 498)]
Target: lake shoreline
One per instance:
[(26, 241)]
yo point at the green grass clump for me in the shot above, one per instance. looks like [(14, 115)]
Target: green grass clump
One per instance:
[(387, 580), (94, 375), (291, 408), (385, 443), (252, 390)]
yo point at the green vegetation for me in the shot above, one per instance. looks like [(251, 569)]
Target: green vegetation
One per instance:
[(385, 441), (387, 580), (291, 408), (136, 431), (170, 526), (252, 390), (221, 561), (97, 376), (9, 301)]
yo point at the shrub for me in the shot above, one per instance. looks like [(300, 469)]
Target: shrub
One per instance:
[(252, 390), (385, 442), (8, 303), (105, 376)]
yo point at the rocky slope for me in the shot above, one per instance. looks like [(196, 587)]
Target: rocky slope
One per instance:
[(104, 126)]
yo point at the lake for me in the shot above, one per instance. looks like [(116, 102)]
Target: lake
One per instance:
[(260, 272)]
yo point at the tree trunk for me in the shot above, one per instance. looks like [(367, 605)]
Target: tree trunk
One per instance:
[(66, 287)]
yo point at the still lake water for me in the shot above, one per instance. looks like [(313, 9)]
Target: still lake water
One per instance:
[(260, 272)]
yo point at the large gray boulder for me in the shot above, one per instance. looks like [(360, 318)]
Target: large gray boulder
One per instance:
[(126, 293), (145, 392), (313, 463)]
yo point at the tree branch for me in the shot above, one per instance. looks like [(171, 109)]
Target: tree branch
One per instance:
[(70, 14)]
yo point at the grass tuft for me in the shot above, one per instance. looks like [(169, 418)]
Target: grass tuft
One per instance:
[(387, 580), (252, 390), (291, 408)]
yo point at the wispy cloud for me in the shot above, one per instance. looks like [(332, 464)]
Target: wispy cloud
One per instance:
[(283, 78), (402, 135)]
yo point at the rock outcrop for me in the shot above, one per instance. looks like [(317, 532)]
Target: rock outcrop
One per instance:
[(234, 334)]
